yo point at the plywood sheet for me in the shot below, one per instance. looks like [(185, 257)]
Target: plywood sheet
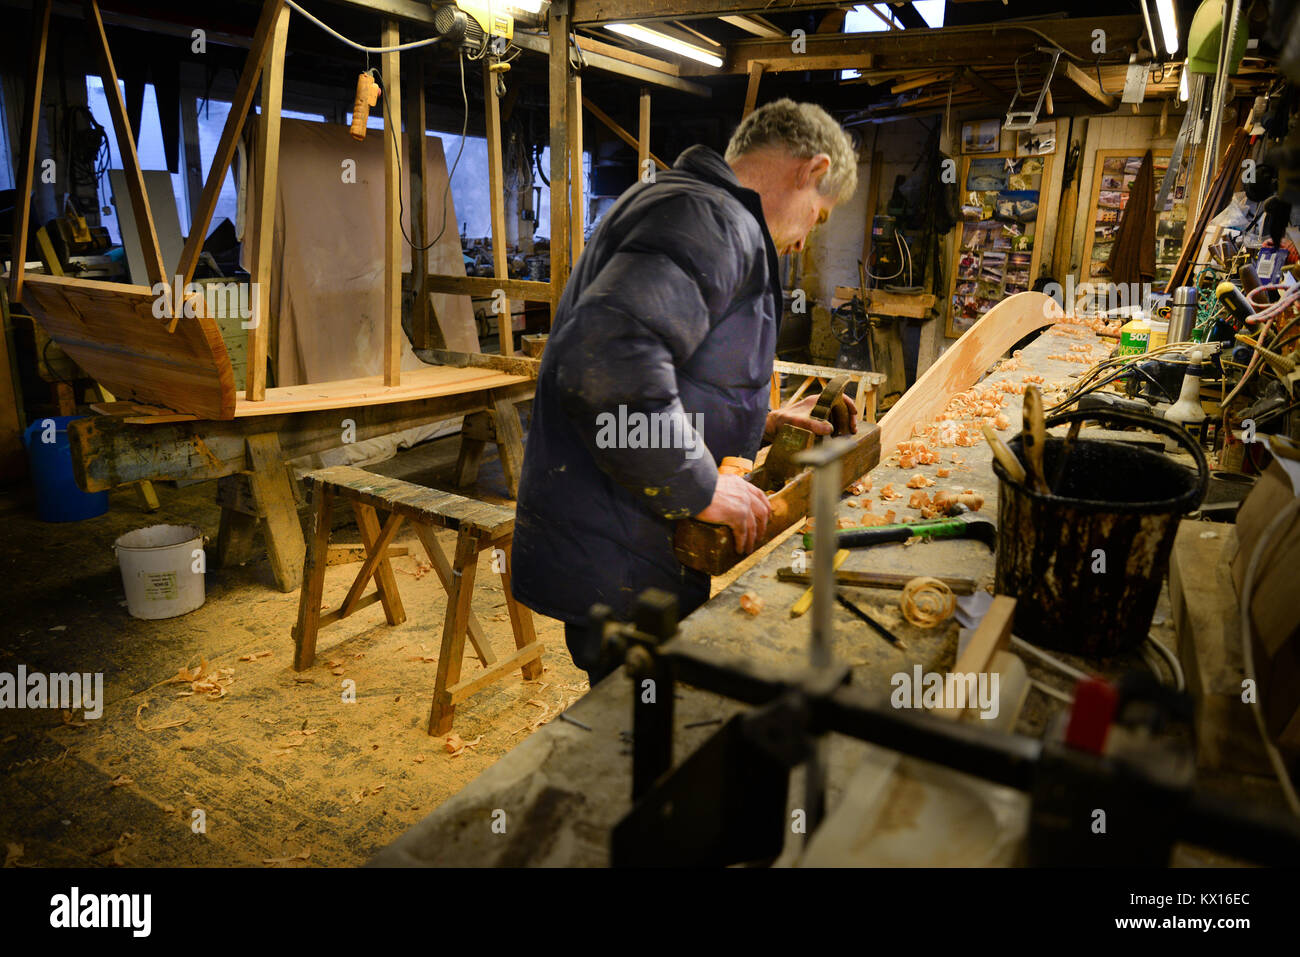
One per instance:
[(110, 330), (328, 255)]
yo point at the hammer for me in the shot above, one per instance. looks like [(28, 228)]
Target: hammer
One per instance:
[(962, 526)]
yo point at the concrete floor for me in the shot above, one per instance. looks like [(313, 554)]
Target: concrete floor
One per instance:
[(279, 771)]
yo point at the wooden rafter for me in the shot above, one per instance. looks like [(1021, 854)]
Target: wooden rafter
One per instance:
[(225, 153), (393, 335), (267, 185), (27, 147), (154, 269), (623, 134)]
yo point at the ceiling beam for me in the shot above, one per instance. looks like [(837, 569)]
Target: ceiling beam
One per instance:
[(755, 25), (1088, 85), (985, 45), (610, 11)]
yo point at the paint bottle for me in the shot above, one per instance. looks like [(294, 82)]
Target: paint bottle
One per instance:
[(1133, 337)]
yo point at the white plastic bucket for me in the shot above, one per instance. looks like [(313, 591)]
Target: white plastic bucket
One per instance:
[(162, 570)]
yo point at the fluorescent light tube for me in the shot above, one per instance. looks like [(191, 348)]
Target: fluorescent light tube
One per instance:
[(1168, 25), (664, 42)]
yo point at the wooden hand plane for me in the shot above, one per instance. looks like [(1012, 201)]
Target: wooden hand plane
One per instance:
[(712, 548)]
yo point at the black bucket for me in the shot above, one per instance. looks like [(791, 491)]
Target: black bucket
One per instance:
[(1085, 565)]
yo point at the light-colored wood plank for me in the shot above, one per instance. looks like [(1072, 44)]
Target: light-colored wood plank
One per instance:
[(497, 199), (154, 269), (558, 86), (992, 635), (109, 329), (643, 133), (370, 390), (577, 206), (751, 87), (225, 152), (486, 286), (393, 333), (268, 182), (26, 154)]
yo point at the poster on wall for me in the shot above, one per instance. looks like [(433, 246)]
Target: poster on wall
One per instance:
[(981, 136), (1040, 140), (997, 254), (1115, 172)]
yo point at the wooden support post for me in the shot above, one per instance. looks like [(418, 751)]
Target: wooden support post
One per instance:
[(13, 458), (154, 269), (751, 90), (510, 440), (313, 579), (577, 208), (27, 146), (521, 620), (417, 149), (239, 105), (455, 626), (442, 567), (392, 208), (559, 92), (273, 495), (496, 194), (268, 183), (643, 135)]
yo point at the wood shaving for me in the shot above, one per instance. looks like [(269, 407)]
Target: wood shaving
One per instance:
[(254, 656), (302, 855), (751, 604), (453, 742), (918, 500), (919, 481), (158, 727), (120, 781), (943, 473), (927, 602), (852, 503)]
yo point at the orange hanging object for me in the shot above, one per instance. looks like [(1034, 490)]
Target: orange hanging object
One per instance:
[(367, 96)]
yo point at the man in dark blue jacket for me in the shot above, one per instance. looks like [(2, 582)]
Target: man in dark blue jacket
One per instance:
[(658, 366)]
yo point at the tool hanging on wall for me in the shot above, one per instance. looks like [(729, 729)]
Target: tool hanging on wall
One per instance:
[(1025, 119)]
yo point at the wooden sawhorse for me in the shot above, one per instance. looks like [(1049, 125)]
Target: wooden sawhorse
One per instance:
[(479, 527)]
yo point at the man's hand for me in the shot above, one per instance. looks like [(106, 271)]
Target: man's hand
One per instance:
[(799, 414), (741, 507)]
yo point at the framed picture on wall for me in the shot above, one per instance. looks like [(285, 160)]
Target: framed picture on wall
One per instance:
[(1038, 141), (1113, 177), (997, 252), (981, 136)]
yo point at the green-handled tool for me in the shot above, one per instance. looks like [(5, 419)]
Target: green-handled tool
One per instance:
[(960, 527)]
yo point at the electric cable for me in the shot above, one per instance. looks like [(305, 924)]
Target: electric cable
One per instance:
[(412, 45), (392, 129)]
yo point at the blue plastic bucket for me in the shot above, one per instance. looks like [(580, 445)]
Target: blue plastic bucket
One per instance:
[(58, 497)]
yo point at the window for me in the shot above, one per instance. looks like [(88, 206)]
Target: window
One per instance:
[(872, 17), (149, 148)]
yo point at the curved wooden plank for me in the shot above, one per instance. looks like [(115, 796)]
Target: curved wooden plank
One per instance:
[(965, 362), (110, 330)]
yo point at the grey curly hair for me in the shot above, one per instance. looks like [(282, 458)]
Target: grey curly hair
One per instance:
[(804, 130)]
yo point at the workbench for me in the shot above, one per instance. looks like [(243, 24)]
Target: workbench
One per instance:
[(564, 787), (127, 443)]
